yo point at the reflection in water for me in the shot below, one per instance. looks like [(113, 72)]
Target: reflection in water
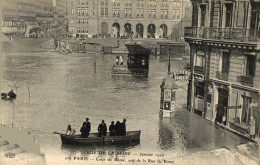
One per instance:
[(64, 90), (172, 134)]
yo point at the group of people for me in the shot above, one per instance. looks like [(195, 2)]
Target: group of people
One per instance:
[(118, 129)]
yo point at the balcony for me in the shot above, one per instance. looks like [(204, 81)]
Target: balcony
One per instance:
[(222, 75), (199, 69), (246, 80), (237, 34)]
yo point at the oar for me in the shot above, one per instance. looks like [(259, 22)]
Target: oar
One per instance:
[(57, 133)]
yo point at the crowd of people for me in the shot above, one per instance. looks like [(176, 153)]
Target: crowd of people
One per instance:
[(118, 129)]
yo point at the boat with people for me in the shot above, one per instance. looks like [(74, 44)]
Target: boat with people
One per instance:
[(93, 138), (8, 96)]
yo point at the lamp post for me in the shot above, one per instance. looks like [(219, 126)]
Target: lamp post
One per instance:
[(169, 61), (94, 64)]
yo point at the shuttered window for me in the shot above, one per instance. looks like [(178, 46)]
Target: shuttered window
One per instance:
[(241, 14)]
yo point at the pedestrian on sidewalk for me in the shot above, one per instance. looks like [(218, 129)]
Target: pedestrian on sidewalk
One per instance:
[(252, 127)]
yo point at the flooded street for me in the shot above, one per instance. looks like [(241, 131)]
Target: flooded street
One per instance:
[(55, 90)]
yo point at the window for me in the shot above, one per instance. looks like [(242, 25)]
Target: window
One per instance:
[(128, 12), (78, 29), (249, 65), (142, 13), (154, 13), (225, 62), (164, 3), (241, 14), (174, 4), (82, 11), (106, 12), (203, 15), (137, 13), (79, 10), (162, 13), (245, 109), (199, 91), (166, 13), (199, 60), (229, 9), (102, 12), (178, 13), (178, 4), (86, 10), (173, 13)]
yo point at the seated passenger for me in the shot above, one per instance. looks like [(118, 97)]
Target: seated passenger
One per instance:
[(70, 131), (112, 129), (11, 94), (84, 131)]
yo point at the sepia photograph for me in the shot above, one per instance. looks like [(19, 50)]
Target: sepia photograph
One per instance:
[(130, 82)]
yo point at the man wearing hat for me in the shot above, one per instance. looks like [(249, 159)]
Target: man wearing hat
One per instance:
[(88, 127), (123, 127), (102, 129)]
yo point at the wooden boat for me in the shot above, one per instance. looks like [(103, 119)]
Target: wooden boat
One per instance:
[(130, 137)]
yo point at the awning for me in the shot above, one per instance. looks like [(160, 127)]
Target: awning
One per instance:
[(9, 30)]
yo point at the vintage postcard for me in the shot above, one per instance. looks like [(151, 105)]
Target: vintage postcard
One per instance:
[(174, 82)]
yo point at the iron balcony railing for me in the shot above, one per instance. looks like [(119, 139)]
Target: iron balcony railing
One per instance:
[(199, 69), (238, 34), (246, 80), (222, 75)]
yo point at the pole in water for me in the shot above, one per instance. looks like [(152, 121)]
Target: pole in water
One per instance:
[(95, 64), (169, 63)]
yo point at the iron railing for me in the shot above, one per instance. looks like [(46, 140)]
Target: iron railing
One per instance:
[(199, 69), (246, 80), (222, 75), (238, 34)]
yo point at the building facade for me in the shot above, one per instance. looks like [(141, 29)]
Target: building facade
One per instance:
[(117, 18), (225, 59), (20, 16), (60, 12)]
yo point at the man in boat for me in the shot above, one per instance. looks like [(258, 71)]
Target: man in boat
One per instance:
[(11, 94), (70, 131), (112, 129), (102, 129), (84, 131), (123, 127), (118, 128), (88, 126)]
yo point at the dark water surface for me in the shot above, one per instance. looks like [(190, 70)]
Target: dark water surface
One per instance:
[(55, 90)]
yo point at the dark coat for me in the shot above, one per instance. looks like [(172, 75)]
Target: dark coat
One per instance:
[(123, 129), (88, 126), (84, 132), (102, 129), (118, 129), (112, 130)]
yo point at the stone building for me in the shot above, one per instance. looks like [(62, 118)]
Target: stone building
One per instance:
[(21, 15), (117, 18), (225, 60), (60, 12)]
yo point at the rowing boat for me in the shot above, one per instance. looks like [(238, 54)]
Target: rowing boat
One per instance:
[(130, 137)]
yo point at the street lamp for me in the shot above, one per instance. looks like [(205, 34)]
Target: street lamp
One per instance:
[(169, 63)]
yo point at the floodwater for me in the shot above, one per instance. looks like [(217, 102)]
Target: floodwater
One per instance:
[(55, 90)]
